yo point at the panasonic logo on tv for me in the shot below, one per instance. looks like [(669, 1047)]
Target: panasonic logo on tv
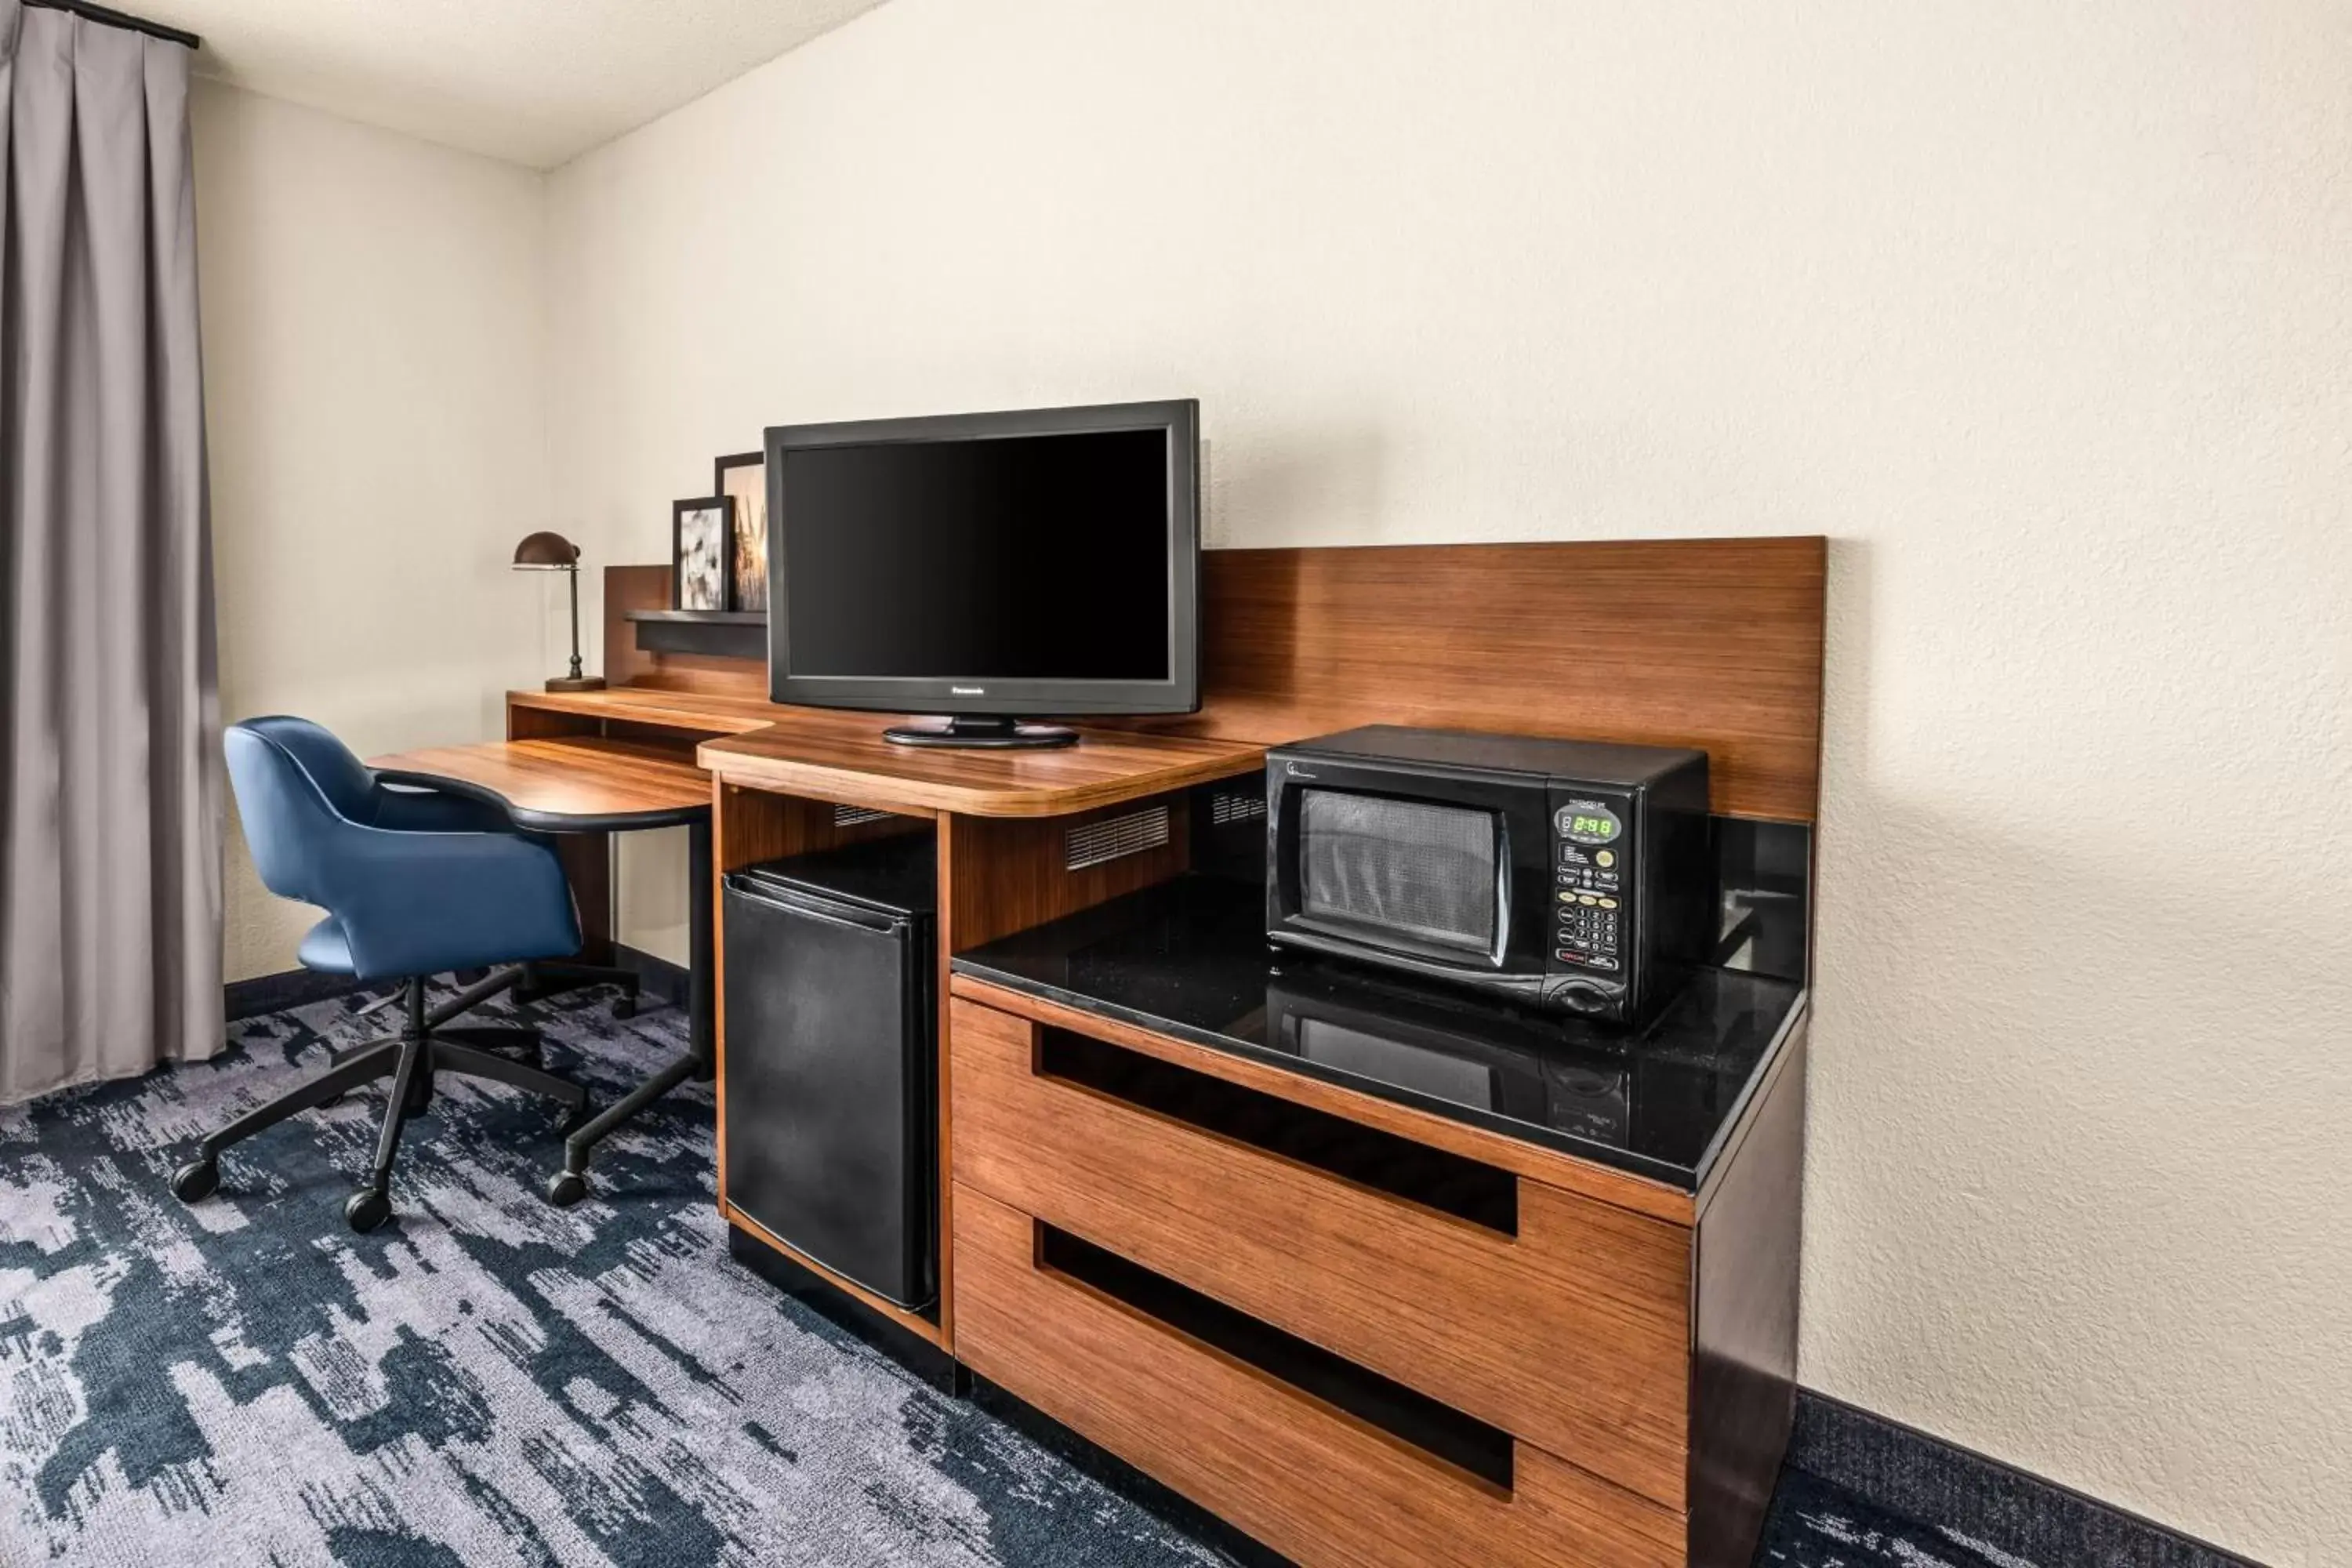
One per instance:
[(967, 691)]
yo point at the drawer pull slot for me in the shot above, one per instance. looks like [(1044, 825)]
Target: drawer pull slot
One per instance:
[(1433, 1178), (1438, 1429)]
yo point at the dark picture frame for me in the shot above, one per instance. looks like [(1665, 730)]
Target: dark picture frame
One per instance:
[(701, 583), (742, 478)]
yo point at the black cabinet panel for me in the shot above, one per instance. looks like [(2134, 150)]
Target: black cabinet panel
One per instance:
[(832, 1140)]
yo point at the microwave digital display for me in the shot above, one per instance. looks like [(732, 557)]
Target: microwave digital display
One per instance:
[(1597, 826)]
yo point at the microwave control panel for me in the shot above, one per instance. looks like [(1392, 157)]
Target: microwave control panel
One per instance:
[(1592, 863)]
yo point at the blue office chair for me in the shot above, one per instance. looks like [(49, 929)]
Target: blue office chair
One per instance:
[(414, 883)]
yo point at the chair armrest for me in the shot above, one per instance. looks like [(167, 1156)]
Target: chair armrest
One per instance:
[(416, 807), (419, 903)]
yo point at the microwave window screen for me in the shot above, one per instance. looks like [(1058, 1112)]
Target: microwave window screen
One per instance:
[(1429, 1072), (1405, 867)]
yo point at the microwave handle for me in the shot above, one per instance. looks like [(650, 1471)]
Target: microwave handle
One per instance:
[(1502, 891)]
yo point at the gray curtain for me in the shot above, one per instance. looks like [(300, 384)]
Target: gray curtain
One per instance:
[(110, 819)]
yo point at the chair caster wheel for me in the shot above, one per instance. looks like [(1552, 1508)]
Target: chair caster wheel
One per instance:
[(366, 1209), (626, 1008), (567, 1188), (196, 1180)]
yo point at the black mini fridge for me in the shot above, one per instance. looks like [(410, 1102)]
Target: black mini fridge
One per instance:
[(831, 1131)]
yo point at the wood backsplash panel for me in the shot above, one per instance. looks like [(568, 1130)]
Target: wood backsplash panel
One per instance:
[(1714, 643)]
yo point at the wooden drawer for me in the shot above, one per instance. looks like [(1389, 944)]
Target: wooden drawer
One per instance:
[(1308, 1478), (1572, 1334)]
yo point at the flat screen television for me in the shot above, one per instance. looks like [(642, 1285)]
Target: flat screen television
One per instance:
[(987, 568)]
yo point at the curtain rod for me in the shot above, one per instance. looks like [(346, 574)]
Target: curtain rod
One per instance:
[(120, 19)]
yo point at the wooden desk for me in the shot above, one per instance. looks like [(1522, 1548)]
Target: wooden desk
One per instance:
[(587, 783), (584, 788), (843, 757), (787, 780), (838, 756)]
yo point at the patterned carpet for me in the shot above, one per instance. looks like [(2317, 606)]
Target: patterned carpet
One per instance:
[(488, 1380)]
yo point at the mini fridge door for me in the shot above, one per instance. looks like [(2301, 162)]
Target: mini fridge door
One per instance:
[(829, 1108)]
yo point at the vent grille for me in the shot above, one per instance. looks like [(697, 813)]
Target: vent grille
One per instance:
[(851, 816), (1113, 836), (1226, 807)]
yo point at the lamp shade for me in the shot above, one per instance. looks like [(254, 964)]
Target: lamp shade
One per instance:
[(544, 551)]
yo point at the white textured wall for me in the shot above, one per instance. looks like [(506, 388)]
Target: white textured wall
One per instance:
[(374, 356), (2043, 312)]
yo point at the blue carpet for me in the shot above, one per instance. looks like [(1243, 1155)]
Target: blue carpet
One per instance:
[(488, 1380)]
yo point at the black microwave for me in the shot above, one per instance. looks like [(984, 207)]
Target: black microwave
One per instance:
[(1569, 875)]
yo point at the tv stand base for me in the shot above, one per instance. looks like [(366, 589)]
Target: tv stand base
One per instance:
[(979, 730)]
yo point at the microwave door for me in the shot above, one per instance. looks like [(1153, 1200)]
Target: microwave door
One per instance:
[(1424, 878)]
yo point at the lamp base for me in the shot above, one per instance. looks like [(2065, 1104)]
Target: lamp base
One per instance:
[(576, 683)]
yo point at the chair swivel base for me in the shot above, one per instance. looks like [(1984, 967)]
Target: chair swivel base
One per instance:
[(552, 977), (411, 1060), (569, 1185)]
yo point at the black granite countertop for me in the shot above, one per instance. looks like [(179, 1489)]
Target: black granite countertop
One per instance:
[(1189, 958)]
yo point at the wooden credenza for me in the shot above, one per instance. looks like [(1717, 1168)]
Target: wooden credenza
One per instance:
[(1361, 1331), (1509, 1356)]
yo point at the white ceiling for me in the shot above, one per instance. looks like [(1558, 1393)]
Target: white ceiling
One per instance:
[(535, 82)]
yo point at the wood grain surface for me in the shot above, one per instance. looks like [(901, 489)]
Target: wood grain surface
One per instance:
[(1565, 1172), (1008, 874), (843, 756), (1573, 1335), (1313, 1482), (630, 588), (550, 783), (1713, 643), (684, 712)]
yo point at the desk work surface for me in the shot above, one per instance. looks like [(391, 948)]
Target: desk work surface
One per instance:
[(840, 756), (579, 782)]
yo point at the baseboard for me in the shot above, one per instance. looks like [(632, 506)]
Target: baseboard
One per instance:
[(659, 975), (1925, 1479), (275, 992)]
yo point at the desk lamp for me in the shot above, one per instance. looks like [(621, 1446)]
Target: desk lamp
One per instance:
[(544, 551)]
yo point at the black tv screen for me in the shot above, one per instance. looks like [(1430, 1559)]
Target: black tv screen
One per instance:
[(1025, 557), (1001, 564)]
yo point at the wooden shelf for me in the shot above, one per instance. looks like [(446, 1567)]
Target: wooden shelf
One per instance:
[(723, 634), (831, 754)]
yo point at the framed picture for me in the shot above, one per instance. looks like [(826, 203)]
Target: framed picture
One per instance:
[(701, 545), (743, 480)]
